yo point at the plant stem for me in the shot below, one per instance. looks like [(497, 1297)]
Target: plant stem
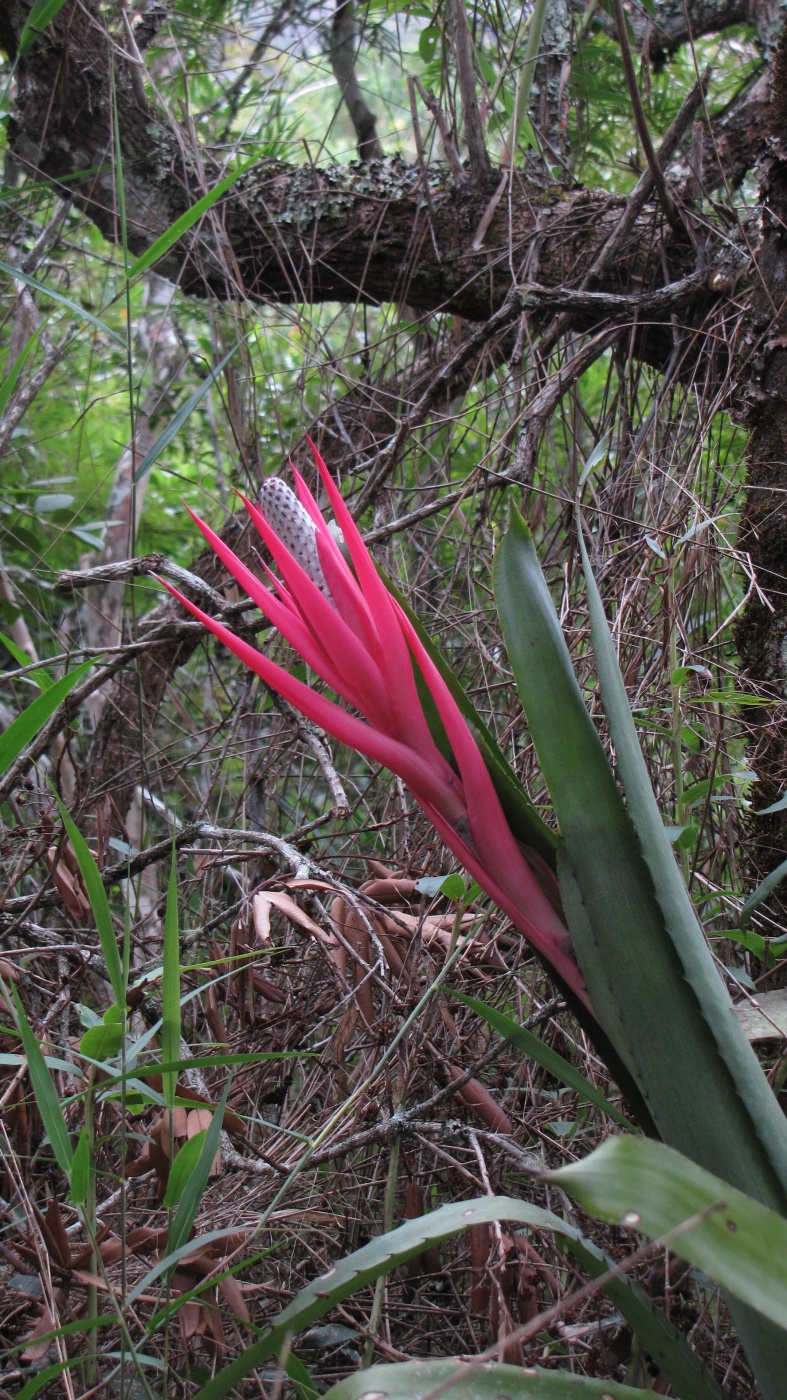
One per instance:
[(91, 1362), (525, 80), (389, 1205)]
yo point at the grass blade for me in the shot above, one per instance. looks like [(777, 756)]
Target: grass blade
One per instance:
[(44, 1090), (186, 221), (170, 987), (42, 14), (176, 422), (9, 383), (198, 1178), (763, 891), (99, 903), (544, 1056), (79, 311), (25, 727), (182, 1168)]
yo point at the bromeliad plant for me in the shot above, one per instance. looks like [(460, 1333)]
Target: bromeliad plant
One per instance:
[(604, 905), (358, 638)]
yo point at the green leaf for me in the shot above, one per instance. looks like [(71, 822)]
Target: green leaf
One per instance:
[(25, 727), (51, 501), (163, 1266), (418, 1380), (454, 887), (39, 676), (648, 970), (763, 891), (184, 412), (186, 221), (46, 291), (428, 40), (44, 1090), (686, 838), (170, 985), (183, 1167), (778, 806), (80, 1170), (645, 1186), (101, 1042), (596, 459), (10, 382), (97, 895), (387, 1252), (49, 1373), (305, 1388), (197, 1179), (543, 1055), (42, 14)]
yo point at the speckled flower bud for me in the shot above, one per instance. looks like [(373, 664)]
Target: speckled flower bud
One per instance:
[(294, 526)]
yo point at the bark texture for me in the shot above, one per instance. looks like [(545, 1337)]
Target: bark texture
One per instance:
[(287, 234)]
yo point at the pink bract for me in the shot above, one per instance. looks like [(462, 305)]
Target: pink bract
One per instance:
[(362, 644)]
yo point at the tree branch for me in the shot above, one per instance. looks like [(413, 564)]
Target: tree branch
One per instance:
[(342, 52), (292, 235), (462, 41)]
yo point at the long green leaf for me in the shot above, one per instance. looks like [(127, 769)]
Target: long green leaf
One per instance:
[(97, 895), (44, 1090), (186, 221), (763, 891), (42, 14), (80, 1170), (387, 1252), (760, 1151), (671, 1025), (416, 1380), (9, 383), (38, 676), (185, 411), (170, 986), (644, 1185), (25, 727), (198, 1178), (49, 1373), (182, 1169), (79, 311), (162, 1266), (544, 1056), (664, 1016)]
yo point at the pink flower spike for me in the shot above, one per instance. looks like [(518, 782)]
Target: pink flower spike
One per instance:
[(490, 832), (348, 627), (341, 581), (350, 657), (284, 617), (425, 782), (393, 655), (554, 951)]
